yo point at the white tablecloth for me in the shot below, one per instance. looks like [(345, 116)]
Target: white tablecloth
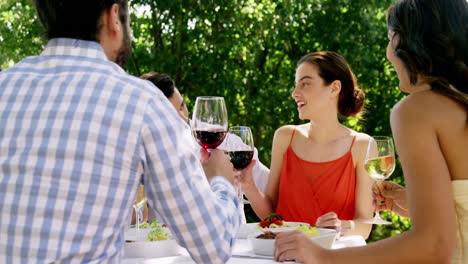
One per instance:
[(242, 253)]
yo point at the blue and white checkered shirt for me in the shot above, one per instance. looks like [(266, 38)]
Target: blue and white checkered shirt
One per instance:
[(77, 136)]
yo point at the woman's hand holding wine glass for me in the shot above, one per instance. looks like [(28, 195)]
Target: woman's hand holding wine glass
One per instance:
[(380, 164), (240, 147), (392, 197)]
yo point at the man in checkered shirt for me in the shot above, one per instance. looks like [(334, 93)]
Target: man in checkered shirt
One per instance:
[(77, 137)]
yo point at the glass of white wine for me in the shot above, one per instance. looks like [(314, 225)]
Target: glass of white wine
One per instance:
[(139, 205), (380, 164)]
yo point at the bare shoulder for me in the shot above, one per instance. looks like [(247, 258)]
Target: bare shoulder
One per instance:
[(284, 132), (361, 138), (427, 117), (360, 145), (282, 137), (427, 108)]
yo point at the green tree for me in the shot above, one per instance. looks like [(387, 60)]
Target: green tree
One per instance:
[(19, 32)]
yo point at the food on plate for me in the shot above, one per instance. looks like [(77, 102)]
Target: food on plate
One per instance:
[(272, 221), (309, 231), (157, 234), (267, 235), (153, 224)]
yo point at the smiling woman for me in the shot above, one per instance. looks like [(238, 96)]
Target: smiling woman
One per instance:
[(428, 47), (317, 174)]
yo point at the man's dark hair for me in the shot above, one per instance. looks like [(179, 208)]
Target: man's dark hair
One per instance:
[(162, 81), (79, 19)]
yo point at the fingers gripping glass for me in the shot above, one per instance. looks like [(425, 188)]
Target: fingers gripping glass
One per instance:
[(209, 121), (379, 164)]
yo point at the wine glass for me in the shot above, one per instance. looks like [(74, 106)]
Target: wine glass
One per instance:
[(139, 204), (210, 121), (240, 147), (379, 164)]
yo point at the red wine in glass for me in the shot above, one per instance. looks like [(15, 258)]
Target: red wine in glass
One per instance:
[(210, 139), (240, 147), (241, 159), (209, 121)]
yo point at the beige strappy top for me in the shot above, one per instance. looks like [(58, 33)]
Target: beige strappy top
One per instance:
[(460, 197)]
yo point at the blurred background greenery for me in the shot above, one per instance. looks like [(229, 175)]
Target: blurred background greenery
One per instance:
[(246, 51)]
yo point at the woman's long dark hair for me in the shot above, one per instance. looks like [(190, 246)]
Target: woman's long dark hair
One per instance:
[(433, 43)]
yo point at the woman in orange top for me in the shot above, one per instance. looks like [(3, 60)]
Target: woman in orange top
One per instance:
[(317, 172), (428, 47)]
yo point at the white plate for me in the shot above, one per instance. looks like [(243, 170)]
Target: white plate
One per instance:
[(287, 226), (154, 249), (265, 247), (251, 228), (247, 229), (141, 248)]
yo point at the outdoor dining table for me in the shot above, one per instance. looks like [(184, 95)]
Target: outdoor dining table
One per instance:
[(242, 253)]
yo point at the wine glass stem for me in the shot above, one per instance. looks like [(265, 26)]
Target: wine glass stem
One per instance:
[(377, 216), (137, 218)]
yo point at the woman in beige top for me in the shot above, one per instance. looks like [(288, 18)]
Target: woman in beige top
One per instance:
[(428, 47)]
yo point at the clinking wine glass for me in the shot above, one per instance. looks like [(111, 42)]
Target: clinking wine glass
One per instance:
[(240, 147), (139, 205), (380, 164), (210, 121)]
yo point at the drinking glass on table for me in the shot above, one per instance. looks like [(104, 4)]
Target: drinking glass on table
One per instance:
[(210, 121), (379, 164), (240, 147), (139, 205)]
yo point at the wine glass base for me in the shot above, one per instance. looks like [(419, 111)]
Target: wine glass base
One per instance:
[(377, 221)]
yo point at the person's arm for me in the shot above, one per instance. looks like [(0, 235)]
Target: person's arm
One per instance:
[(203, 216), (363, 198), (260, 172), (364, 208), (432, 238), (264, 203)]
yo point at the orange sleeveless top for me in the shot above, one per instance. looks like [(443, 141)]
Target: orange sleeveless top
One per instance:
[(308, 189)]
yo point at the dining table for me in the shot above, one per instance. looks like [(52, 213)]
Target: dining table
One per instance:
[(242, 253)]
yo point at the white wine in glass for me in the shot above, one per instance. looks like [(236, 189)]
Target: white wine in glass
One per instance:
[(380, 164)]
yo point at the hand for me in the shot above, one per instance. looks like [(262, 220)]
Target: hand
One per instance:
[(295, 245), (145, 215), (390, 196), (218, 163), (246, 176), (329, 220)]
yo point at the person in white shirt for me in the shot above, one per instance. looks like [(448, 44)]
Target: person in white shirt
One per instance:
[(169, 89)]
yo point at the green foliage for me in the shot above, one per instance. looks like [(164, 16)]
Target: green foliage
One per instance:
[(19, 32), (399, 225), (246, 51)]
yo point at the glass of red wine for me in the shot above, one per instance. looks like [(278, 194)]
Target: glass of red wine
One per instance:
[(240, 147), (210, 121)]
